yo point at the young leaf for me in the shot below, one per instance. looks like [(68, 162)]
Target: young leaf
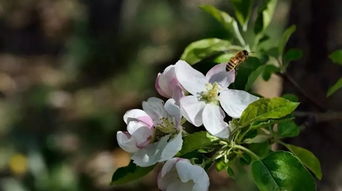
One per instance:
[(335, 87), (261, 149), (265, 14), (204, 48), (226, 20), (222, 17), (293, 54), (129, 173), (267, 108), (243, 10), (269, 70), (281, 171), (257, 139), (196, 141), (336, 56), (288, 129), (307, 158), (285, 37), (253, 76)]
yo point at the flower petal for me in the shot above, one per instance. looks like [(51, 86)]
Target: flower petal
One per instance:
[(138, 115), (219, 74), (126, 142), (192, 80), (187, 172), (213, 121), (235, 101), (160, 151), (191, 109), (173, 110), (141, 133), (154, 107)]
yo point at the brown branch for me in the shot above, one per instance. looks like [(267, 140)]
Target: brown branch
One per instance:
[(316, 103), (320, 117)]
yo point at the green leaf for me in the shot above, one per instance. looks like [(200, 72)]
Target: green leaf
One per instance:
[(264, 17), (293, 54), (335, 87), (204, 48), (261, 149), (253, 76), (129, 173), (307, 158), (257, 139), (267, 108), (243, 10), (220, 165), (290, 97), (196, 141), (228, 22), (222, 17), (244, 71), (336, 56), (281, 171), (268, 71), (285, 37), (269, 122), (288, 129)]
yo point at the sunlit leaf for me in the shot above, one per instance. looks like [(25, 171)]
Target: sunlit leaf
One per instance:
[(335, 87), (265, 15), (336, 56), (267, 108), (281, 171), (204, 48), (308, 159), (129, 173)]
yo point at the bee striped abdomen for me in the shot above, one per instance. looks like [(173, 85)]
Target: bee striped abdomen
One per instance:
[(230, 66), (236, 60)]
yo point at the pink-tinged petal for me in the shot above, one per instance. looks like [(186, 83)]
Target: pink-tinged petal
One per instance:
[(126, 142), (142, 136), (191, 109), (213, 121), (154, 107), (158, 87), (137, 115), (219, 74), (234, 102), (191, 80)]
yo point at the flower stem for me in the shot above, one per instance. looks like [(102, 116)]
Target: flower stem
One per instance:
[(247, 151)]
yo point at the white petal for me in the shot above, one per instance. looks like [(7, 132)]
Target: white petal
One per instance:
[(219, 74), (173, 110), (154, 107), (192, 80), (138, 115), (213, 121), (172, 148), (160, 151), (168, 166), (191, 109), (142, 135), (235, 101), (126, 142), (188, 172)]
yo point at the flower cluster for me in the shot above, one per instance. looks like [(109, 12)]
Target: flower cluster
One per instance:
[(154, 134)]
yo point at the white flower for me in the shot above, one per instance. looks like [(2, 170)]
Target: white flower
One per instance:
[(142, 126), (167, 84), (179, 174), (208, 92)]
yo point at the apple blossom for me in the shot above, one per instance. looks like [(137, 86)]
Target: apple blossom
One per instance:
[(208, 92), (152, 132), (179, 174), (167, 84)]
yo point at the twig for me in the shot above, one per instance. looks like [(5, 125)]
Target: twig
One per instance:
[(302, 91), (321, 117)]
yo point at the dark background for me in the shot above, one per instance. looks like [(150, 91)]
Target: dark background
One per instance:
[(69, 69)]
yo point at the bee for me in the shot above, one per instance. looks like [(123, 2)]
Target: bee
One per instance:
[(236, 60)]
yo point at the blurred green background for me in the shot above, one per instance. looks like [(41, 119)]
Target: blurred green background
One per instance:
[(69, 69)]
